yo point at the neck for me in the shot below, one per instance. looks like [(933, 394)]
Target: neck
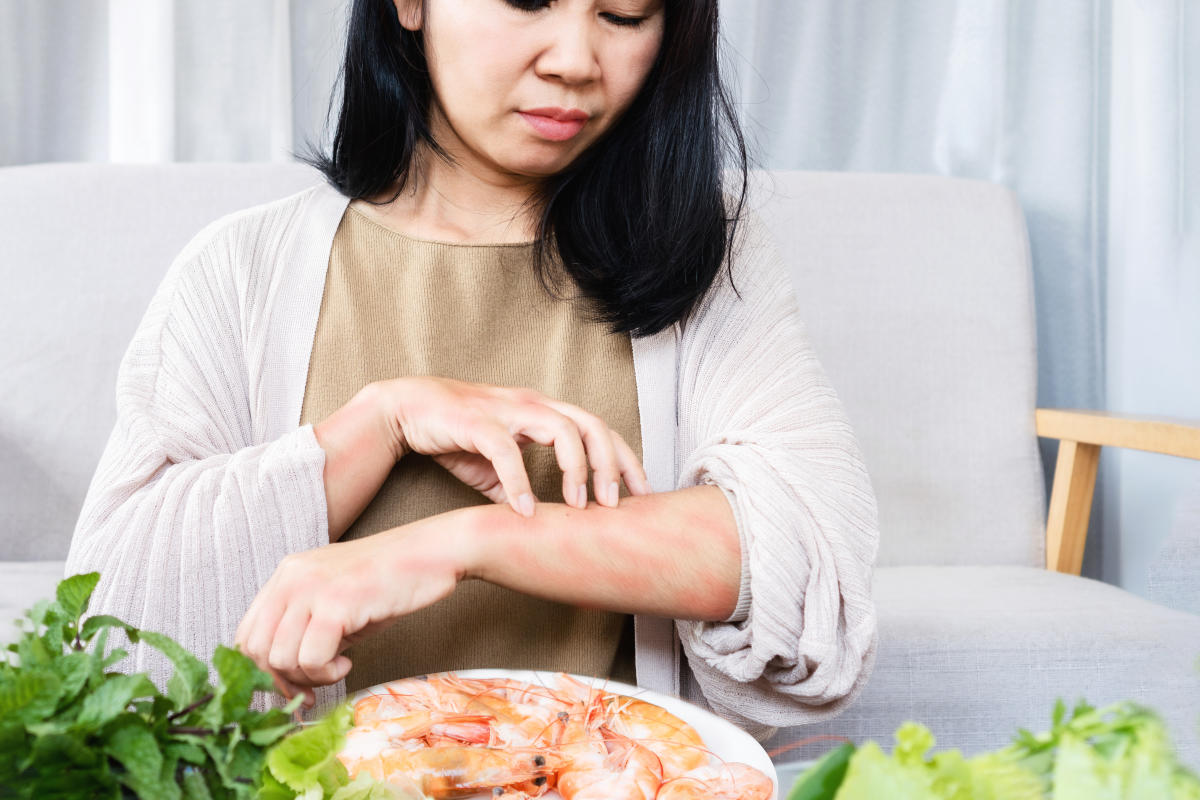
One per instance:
[(460, 202)]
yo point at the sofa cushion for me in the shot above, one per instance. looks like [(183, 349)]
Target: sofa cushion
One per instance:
[(917, 293), (977, 652)]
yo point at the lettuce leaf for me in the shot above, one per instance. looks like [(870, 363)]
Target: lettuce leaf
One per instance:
[(911, 773), (1121, 752)]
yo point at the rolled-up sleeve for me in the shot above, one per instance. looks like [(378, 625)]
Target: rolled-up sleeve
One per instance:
[(759, 419)]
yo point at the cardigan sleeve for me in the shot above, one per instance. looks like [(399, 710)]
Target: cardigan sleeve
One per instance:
[(759, 419), (186, 515)]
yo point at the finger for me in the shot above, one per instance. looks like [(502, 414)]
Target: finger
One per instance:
[(250, 617), (285, 644), (547, 426), (497, 446), (245, 626), (632, 471), (318, 655), (475, 471), (262, 631), (601, 451)]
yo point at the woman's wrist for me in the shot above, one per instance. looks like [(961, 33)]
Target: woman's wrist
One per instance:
[(384, 398), (361, 447), (453, 539), (363, 427)]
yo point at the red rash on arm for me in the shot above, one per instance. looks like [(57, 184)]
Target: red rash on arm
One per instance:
[(673, 554)]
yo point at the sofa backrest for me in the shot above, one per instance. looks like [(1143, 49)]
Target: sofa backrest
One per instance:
[(916, 291)]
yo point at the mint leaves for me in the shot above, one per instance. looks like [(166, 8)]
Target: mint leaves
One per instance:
[(1116, 753), (71, 728)]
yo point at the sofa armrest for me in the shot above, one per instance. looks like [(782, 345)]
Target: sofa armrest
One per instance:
[(1082, 434)]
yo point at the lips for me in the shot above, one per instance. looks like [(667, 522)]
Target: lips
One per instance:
[(555, 124)]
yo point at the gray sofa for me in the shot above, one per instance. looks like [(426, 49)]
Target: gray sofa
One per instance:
[(917, 293)]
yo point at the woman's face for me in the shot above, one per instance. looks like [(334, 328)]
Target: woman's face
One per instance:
[(523, 87)]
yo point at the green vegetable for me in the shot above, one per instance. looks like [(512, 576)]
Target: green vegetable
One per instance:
[(1121, 751), (823, 778), (1118, 753), (69, 728)]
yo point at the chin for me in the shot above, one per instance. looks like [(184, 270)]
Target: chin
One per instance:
[(540, 160), (539, 169)]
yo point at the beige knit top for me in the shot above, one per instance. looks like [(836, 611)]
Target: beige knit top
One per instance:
[(394, 306)]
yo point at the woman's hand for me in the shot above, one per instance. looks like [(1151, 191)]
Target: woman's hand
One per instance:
[(476, 431), (319, 602)]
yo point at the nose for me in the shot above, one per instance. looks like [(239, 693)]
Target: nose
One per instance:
[(570, 52)]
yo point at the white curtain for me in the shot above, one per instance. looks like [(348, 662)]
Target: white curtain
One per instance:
[(1153, 353), (165, 80), (1088, 109)]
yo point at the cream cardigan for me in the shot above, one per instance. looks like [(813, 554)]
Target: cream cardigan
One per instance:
[(207, 481)]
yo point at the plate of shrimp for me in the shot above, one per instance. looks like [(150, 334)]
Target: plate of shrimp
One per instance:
[(521, 734)]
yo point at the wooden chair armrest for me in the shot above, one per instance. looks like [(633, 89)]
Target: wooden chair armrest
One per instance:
[(1082, 434), (1173, 437)]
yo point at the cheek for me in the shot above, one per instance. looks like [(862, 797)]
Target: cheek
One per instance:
[(628, 68), (472, 70)]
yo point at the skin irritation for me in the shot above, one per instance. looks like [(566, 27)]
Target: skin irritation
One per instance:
[(673, 554)]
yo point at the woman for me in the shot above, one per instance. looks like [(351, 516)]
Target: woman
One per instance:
[(523, 241)]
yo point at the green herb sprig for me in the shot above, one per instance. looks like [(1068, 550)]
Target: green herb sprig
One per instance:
[(69, 727)]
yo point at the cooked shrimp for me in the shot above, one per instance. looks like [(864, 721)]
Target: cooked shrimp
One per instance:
[(629, 772), (523, 715), (451, 772), (676, 743), (732, 781), (402, 697), (592, 742), (422, 728)]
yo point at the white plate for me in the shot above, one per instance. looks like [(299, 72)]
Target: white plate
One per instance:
[(728, 741)]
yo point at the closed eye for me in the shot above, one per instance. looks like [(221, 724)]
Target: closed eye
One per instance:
[(629, 22), (534, 6), (528, 5)]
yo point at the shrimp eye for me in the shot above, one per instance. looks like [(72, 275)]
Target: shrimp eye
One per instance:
[(539, 781), (539, 761)]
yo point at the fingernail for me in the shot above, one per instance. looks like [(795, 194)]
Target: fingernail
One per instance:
[(582, 495), (526, 503), (614, 494)]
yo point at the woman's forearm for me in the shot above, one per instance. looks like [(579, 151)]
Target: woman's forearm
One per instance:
[(672, 554), (361, 447)]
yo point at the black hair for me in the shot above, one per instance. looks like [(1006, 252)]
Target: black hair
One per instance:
[(641, 221)]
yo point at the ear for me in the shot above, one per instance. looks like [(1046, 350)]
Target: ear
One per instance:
[(409, 13)]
